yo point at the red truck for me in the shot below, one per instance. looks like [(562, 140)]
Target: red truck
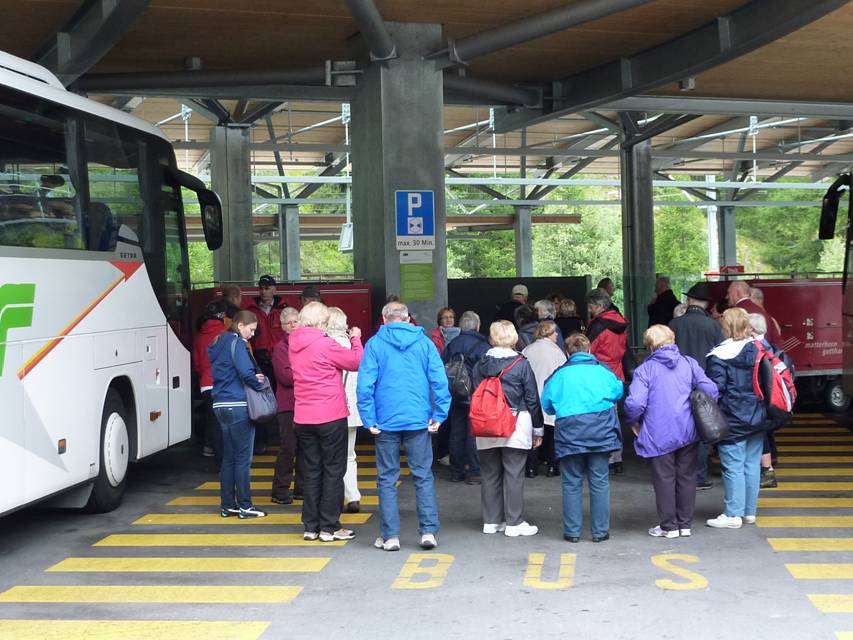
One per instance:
[(808, 309)]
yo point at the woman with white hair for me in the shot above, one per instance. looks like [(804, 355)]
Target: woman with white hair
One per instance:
[(320, 419), (547, 310), (337, 330)]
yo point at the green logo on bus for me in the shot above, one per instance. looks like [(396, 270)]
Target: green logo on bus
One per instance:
[(16, 312)]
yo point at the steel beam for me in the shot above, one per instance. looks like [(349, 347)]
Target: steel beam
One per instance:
[(91, 32), (259, 111), (487, 190), (490, 92), (211, 109), (601, 121), (579, 166), (147, 82), (372, 29), (726, 38), (535, 26), (733, 107)]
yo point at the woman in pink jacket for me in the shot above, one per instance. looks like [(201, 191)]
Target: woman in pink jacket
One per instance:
[(320, 419)]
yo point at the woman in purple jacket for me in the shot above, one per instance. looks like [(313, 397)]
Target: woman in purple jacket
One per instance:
[(660, 397)]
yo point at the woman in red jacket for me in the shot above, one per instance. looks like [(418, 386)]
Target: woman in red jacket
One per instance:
[(288, 453), (211, 325)]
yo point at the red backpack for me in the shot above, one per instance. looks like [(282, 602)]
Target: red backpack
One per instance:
[(490, 413), (773, 382)]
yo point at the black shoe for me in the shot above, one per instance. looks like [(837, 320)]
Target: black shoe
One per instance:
[(703, 486), (251, 512), (603, 538), (227, 513), (353, 507), (571, 538), (457, 478), (284, 500), (616, 468), (552, 471), (531, 473), (260, 449), (473, 480), (297, 495)]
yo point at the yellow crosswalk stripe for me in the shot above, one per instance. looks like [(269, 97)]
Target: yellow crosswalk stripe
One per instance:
[(798, 439), (205, 564), (216, 519), (811, 544), (805, 503), (816, 471), (805, 522), (798, 448), (814, 430), (813, 486), (267, 486), (152, 594), (269, 472), (361, 458), (821, 571), (832, 602), (213, 501), (813, 459), (211, 540), (131, 629)]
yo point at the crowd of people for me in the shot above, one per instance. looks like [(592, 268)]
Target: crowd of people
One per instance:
[(571, 385)]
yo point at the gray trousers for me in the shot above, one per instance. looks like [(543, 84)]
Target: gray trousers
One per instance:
[(674, 478), (502, 475)]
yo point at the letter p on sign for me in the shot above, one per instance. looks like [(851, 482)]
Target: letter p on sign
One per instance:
[(413, 201)]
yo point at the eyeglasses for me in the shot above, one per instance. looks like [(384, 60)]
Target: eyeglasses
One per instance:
[(448, 317)]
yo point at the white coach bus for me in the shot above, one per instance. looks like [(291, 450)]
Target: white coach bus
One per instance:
[(94, 285)]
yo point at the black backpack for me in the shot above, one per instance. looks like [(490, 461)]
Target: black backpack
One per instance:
[(458, 379)]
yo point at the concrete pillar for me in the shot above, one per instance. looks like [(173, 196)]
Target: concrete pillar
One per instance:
[(397, 136), (523, 228), (230, 174), (288, 239), (727, 237), (638, 235)]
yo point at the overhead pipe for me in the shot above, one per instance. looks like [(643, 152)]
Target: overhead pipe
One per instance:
[(146, 81), (542, 24), (491, 92), (372, 28)]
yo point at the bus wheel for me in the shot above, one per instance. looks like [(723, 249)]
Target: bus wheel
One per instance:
[(114, 454), (836, 398)]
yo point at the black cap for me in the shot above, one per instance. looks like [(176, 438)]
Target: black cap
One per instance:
[(266, 281), (700, 291), (311, 292)]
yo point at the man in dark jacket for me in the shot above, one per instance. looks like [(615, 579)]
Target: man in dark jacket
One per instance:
[(506, 311), (696, 333), (526, 321), (661, 308), (471, 345)]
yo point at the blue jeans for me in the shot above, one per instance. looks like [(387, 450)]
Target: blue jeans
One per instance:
[(238, 437), (702, 463), (419, 452), (741, 462), (595, 466)]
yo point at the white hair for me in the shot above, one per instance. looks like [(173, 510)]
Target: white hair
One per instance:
[(679, 310), (395, 311), (758, 324), (469, 321), (545, 309)]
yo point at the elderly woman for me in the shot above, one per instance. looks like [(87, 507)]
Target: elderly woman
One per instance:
[(730, 367), (658, 406), (547, 310), (583, 395), (337, 330), (502, 460), (287, 459), (568, 319), (545, 357), (445, 330), (320, 419)]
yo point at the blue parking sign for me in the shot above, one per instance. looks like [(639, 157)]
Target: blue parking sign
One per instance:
[(415, 214)]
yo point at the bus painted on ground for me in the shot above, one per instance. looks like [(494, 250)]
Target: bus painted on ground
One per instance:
[(94, 292)]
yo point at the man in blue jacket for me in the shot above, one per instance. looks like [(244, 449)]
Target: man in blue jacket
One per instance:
[(402, 398)]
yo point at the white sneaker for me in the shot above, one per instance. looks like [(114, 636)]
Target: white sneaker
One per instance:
[(445, 461), (657, 532), (251, 512), (391, 544), (723, 521), (749, 519), (685, 533), (428, 541), (494, 528), (521, 529)]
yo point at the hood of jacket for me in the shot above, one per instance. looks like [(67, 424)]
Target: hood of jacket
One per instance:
[(303, 337), (612, 320), (496, 359), (400, 335), (667, 355), (211, 328), (733, 352)]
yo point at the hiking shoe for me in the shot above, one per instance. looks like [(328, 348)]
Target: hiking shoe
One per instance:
[(768, 479), (391, 544), (310, 535), (685, 533), (657, 532), (207, 452), (603, 538), (494, 528), (227, 512), (703, 486), (749, 519), (340, 534), (284, 500), (428, 541), (353, 507), (251, 512), (521, 529), (723, 521)]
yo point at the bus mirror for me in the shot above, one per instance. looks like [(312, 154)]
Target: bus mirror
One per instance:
[(211, 218), (829, 209)]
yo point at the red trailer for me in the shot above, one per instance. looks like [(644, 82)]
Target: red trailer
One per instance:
[(808, 309)]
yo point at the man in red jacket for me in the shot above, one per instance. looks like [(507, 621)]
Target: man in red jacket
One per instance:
[(738, 295)]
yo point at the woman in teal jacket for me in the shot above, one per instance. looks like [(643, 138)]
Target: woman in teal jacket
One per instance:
[(583, 395)]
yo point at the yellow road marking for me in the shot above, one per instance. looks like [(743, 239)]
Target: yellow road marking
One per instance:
[(814, 448), (813, 459), (216, 519), (533, 575), (814, 430), (816, 471), (844, 635), (210, 540), (811, 544), (432, 565), (821, 571), (191, 565), (130, 629), (832, 602), (813, 486), (157, 594), (694, 580), (805, 503), (267, 486), (213, 501), (361, 458), (805, 522), (269, 472), (796, 439)]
